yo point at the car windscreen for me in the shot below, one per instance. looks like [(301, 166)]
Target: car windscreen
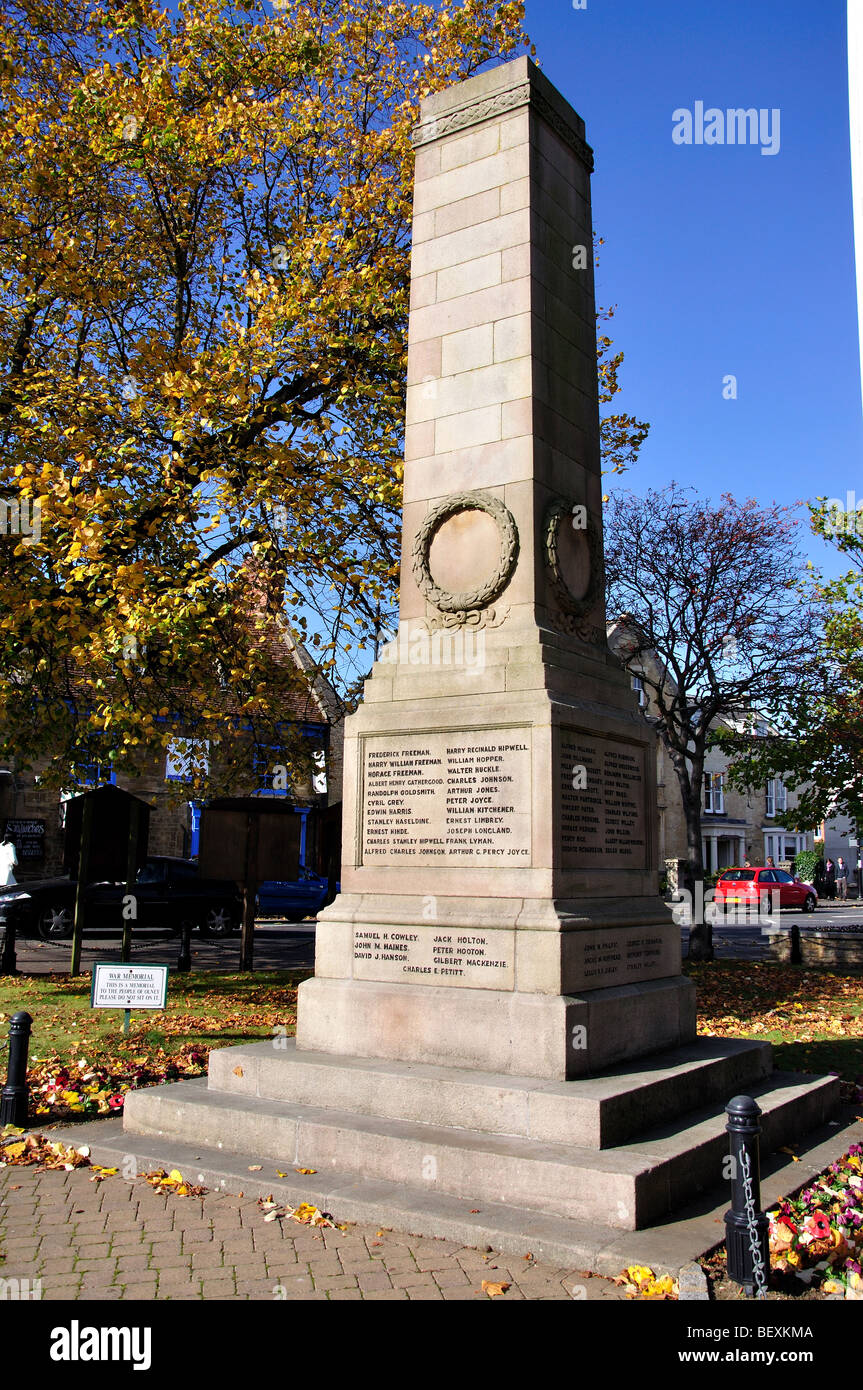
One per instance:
[(738, 876), (183, 870)]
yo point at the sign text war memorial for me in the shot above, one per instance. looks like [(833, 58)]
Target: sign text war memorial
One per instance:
[(498, 1017)]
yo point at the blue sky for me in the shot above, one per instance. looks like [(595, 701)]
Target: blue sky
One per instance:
[(723, 260)]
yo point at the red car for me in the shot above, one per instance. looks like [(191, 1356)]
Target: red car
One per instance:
[(749, 885)]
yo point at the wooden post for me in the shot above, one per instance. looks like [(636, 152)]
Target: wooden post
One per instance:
[(131, 877), (250, 892), (83, 872), (131, 880)]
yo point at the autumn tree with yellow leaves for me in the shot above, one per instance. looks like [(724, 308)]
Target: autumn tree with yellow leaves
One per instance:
[(204, 269)]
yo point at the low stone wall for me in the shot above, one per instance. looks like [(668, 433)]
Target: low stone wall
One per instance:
[(832, 946)]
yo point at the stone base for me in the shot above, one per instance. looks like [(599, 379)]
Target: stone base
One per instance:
[(598, 1113), (362, 1119), (555, 1037)]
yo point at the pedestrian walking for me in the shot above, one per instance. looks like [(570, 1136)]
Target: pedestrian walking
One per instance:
[(818, 877), (842, 879), (8, 862), (830, 879)]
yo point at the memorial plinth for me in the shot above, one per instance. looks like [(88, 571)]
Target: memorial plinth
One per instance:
[(498, 1012)]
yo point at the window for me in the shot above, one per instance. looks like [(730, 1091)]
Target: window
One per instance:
[(638, 685), (714, 795), (152, 872), (266, 759), (91, 770), (319, 781), (776, 797)]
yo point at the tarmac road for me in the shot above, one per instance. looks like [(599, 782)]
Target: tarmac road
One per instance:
[(283, 945), (740, 942), (278, 946)]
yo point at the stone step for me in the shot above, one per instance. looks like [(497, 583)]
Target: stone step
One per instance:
[(596, 1113), (625, 1188)]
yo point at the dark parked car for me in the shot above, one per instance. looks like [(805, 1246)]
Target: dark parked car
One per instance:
[(293, 899), (168, 892)]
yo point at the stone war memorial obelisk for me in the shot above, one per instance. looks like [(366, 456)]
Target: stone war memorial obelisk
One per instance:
[(498, 1015)]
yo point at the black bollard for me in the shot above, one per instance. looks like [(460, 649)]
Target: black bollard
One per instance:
[(14, 1098), (8, 960), (796, 953), (184, 959), (746, 1226)]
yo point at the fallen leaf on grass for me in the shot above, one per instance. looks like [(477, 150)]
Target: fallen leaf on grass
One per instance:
[(494, 1290)]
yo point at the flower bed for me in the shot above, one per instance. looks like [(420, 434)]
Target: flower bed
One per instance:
[(82, 1090), (816, 1237)]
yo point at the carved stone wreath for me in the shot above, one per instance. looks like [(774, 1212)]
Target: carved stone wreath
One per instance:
[(576, 608), (497, 581)]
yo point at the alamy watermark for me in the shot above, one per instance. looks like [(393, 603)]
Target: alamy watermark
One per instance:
[(734, 126), (416, 645), (690, 910), (22, 517), (843, 519)]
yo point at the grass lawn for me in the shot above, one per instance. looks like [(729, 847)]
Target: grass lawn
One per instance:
[(204, 1011), (813, 1018), (81, 1065)]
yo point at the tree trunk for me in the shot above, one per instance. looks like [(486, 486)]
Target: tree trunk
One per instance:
[(690, 770), (700, 931)]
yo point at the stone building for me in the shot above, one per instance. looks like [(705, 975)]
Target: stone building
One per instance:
[(735, 826), (34, 815)]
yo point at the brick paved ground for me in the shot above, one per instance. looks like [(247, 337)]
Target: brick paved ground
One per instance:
[(123, 1240)]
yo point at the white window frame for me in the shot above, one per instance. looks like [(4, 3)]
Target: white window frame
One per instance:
[(638, 687), (770, 798), (714, 794)]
